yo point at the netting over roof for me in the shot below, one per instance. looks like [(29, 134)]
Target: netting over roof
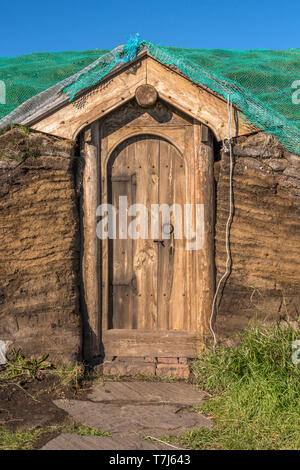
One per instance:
[(259, 82), (28, 75)]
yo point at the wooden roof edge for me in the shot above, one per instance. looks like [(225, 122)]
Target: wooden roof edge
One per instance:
[(201, 104), (63, 99)]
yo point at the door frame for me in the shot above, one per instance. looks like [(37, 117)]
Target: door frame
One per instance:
[(170, 311), (195, 143)]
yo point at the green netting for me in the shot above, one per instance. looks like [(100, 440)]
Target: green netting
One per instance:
[(28, 75), (259, 82)]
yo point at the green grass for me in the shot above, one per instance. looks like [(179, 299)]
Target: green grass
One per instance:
[(25, 439), (20, 440), (73, 427), (255, 391)]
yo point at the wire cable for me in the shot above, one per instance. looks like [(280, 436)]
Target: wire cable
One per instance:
[(227, 146)]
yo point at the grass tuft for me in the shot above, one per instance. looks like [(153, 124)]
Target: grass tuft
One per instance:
[(25, 439), (73, 427), (20, 440), (71, 376), (20, 365), (256, 393)]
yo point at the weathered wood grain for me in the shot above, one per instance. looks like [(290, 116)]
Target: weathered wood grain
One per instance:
[(146, 96), (165, 294), (67, 119), (91, 245), (169, 343)]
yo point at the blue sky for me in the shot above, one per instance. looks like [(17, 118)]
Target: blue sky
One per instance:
[(34, 26)]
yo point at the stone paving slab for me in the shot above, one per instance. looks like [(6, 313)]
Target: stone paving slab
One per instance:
[(75, 442), (147, 392), (114, 418), (131, 411)]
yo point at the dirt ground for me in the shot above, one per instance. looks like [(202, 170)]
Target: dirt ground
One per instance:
[(28, 388), (27, 403)]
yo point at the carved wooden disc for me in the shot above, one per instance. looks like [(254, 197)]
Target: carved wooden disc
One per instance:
[(146, 95)]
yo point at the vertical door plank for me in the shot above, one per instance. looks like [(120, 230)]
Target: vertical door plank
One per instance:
[(121, 271), (191, 254), (145, 250), (172, 256), (105, 311)]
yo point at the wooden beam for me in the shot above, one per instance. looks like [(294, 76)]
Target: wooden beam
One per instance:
[(204, 194), (169, 343)]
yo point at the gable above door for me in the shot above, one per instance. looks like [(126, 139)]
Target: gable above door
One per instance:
[(66, 119)]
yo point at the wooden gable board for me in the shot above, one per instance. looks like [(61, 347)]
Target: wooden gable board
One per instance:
[(66, 119)]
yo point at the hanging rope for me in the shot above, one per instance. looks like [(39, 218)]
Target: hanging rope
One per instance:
[(227, 147)]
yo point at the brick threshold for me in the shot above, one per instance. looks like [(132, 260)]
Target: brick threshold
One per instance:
[(176, 367)]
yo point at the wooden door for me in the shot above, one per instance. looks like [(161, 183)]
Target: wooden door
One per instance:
[(148, 275)]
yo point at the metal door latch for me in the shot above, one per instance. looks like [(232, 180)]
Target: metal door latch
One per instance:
[(160, 241)]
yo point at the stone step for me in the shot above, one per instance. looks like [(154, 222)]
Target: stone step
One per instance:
[(147, 392), (143, 419)]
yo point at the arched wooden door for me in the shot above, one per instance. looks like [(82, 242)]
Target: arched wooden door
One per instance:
[(155, 291), (147, 261)]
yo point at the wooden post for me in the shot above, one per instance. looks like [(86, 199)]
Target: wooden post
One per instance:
[(207, 152), (205, 194), (91, 246)]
